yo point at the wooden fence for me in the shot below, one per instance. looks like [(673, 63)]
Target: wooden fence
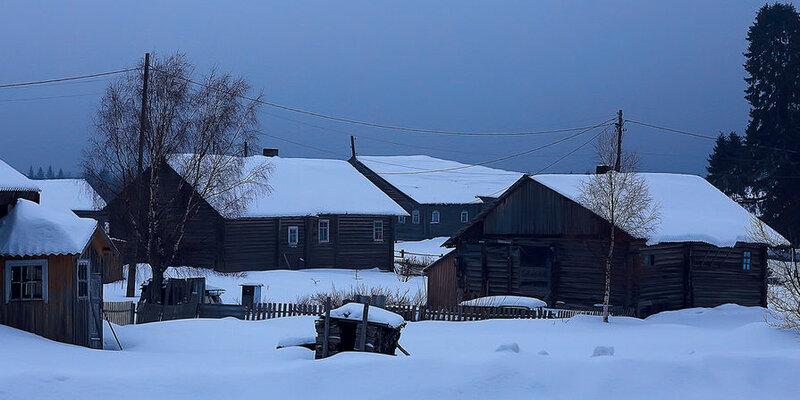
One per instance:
[(419, 313), (120, 312)]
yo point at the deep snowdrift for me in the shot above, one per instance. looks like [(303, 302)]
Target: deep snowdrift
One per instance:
[(723, 353)]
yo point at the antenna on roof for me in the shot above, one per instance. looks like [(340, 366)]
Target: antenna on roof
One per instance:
[(352, 147)]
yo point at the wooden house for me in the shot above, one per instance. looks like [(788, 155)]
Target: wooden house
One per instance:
[(52, 263), (315, 214), (538, 240), (441, 200)]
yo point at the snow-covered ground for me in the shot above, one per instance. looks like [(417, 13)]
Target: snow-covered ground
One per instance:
[(283, 285), (427, 246), (724, 353)]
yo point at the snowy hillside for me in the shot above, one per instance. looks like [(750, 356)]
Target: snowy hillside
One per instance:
[(723, 353), (283, 285)]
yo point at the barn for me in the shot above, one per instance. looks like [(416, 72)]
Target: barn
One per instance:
[(537, 240), (52, 263), (440, 201), (316, 213), (74, 194)]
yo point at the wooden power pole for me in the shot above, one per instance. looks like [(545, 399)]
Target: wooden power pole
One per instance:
[(619, 129), (131, 287), (352, 147)]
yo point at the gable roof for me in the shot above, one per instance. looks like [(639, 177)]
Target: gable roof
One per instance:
[(30, 229), (13, 180), (70, 194), (306, 186), (452, 183), (690, 208)]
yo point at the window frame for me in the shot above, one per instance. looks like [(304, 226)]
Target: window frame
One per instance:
[(747, 261), (415, 217), (296, 230), (436, 217), (327, 230), (649, 260), (87, 263), (10, 265), (464, 216), (377, 227), (401, 219)]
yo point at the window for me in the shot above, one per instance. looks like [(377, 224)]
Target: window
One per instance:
[(401, 219), (435, 217), (650, 260), (83, 279), (746, 262), (26, 280), (294, 236), (377, 231), (464, 216), (415, 217), (323, 228)]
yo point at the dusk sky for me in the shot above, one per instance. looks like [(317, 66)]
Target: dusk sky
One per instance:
[(451, 65)]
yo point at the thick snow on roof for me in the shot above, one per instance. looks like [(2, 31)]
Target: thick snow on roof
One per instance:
[(30, 229), (306, 186), (505, 301), (70, 194), (690, 209), (454, 185), (355, 312), (13, 180)]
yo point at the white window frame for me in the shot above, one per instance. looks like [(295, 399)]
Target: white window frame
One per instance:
[(401, 219), (78, 280), (436, 217), (415, 217), (747, 261), (22, 263), (327, 230), (377, 231), (296, 230), (464, 216)]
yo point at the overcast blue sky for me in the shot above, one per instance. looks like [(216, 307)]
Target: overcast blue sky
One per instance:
[(458, 65)]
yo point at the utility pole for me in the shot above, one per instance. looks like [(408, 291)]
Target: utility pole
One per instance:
[(352, 147), (619, 129), (131, 287)]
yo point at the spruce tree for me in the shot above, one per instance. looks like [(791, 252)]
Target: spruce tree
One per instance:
[(40, 173), (30, 171), (60, 174), (50, 174), (773, 133), (730, 169)]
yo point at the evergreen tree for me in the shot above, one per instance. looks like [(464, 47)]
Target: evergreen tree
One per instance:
[(773, 133), (50, 174), (60, 174), (40, 173), (730, 169), (30, 171)]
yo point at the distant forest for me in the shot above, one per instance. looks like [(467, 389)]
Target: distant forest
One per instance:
[(50, 173)]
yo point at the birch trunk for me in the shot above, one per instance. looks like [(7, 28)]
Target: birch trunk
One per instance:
[(607, 291)]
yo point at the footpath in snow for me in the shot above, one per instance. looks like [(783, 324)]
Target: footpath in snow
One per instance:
[(728, 352)]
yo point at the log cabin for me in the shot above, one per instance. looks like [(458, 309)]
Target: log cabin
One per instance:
[(538, 240), (440, 201), (52, 263), (315, 213)]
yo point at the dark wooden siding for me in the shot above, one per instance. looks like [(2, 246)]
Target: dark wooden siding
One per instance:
[(250, 245), (717, 276), (443, 290), (664, 284), (9, 197), (356, 247)]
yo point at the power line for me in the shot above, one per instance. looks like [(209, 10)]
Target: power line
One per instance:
[(261, 133), (71, 78), (571, 152), (48, 97), (378, 125), (510, 156)]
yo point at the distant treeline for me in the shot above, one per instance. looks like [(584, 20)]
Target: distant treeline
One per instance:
[(50, 173)]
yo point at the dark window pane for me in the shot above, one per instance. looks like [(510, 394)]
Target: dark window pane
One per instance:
[(16, 291)]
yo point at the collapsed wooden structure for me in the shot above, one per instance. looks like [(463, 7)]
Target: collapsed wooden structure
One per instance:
[(352, 328)]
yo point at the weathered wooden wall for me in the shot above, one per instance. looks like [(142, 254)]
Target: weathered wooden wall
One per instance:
[(443, 289), (665, 284), (717, 276)]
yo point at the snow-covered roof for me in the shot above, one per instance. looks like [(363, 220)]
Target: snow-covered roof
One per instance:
[(69, 194), (690, 209), (13, 180), (30, 229), (355, 312), (453, 183), (306, 186), (505, 301)]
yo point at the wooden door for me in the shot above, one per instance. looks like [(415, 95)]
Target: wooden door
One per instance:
[(95, 304), (533, 267)]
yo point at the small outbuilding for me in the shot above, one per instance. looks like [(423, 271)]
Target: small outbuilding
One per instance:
[(348, 328), (52, 263)]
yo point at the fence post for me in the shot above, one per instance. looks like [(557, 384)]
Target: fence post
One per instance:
[(327, 328), (362, 339), (133, 313)]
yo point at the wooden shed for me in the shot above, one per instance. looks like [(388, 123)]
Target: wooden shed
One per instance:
[(52, 263), (444, 199), (537, 240), (443, 288), (316, 214)]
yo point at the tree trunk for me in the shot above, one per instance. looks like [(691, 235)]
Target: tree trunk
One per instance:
[(131, 288), (157, 283), (607, 291)]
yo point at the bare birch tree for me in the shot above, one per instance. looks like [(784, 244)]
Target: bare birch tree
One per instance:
[(620, 197), (783, 293), (197, 129)]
